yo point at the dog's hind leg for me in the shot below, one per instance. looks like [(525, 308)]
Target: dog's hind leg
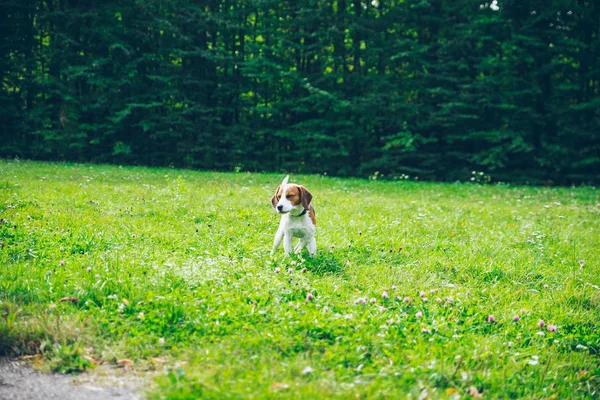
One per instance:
[(278, 237), (312, 247), (299, 246)]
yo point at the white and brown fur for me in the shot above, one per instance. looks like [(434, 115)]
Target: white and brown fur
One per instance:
[(290, 201)]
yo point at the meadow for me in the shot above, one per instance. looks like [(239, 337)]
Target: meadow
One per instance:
[(424, 290)]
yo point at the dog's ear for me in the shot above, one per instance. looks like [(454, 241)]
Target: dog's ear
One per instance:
[(305, 197), (274, 198)]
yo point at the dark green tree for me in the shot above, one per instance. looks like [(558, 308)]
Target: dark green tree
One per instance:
[(428, 88)]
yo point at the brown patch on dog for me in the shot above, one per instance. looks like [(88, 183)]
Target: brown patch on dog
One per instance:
[(293, 194), (305, 196), (276, 197), (311, 214)]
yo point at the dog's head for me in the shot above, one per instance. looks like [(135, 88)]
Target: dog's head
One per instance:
[(290, 197)]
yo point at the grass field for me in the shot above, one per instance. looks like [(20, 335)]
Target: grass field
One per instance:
[(171, 269)]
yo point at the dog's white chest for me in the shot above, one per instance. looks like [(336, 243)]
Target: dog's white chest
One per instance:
[(300, 232), (300, 227)]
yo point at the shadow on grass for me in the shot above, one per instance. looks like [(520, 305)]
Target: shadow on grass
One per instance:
[(323, 264)]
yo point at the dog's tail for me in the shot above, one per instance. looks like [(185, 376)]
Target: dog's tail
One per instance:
[(285, 181)]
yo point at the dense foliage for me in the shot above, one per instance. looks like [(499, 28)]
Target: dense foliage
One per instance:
[(428, 88)]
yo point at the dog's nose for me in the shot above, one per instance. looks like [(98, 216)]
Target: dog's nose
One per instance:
[(279, 208)]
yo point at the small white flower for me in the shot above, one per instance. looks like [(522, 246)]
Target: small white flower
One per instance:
[(307, 370), (534, 360)]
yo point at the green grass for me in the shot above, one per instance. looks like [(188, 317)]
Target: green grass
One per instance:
[(175, 264)]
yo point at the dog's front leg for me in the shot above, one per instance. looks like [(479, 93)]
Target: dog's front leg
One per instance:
[(312, 247), (278, 237), (287, 243)]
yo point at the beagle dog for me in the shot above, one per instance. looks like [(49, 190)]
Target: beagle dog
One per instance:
[(293, 202)]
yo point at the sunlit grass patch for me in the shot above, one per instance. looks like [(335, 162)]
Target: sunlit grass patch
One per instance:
[(418, 288)]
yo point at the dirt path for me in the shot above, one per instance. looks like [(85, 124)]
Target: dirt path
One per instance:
[(19, 381)]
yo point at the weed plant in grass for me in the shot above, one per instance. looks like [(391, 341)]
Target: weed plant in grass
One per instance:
[(424, 289)]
